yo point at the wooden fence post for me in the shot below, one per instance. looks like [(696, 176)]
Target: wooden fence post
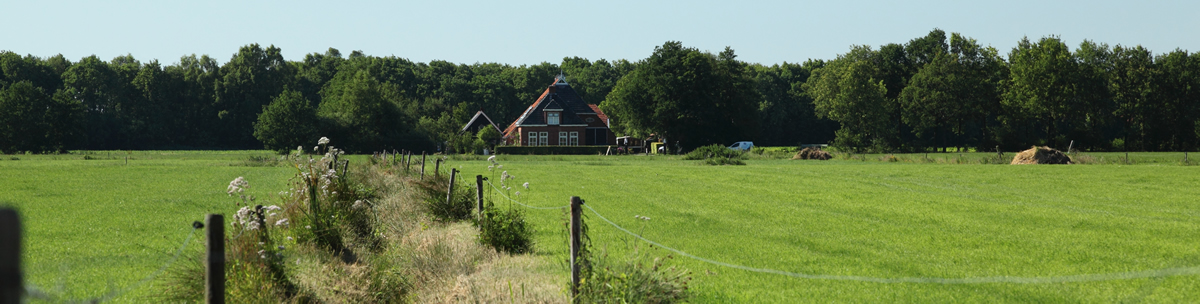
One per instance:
[(422, 164), (214, 270), (450, 189), (407, 161), (576, 212), (12, 286), (437, 168), (479, 194)]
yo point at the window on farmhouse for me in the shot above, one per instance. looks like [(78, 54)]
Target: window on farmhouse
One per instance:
[(543, 139), (562, 138), (533, 139), (552, 118), (574, 138)]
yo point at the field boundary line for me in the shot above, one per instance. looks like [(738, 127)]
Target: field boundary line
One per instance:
[(523, 204), (36, 293), (1155, 273)]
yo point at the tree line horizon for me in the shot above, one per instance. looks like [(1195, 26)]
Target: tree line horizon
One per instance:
[(935, 92)]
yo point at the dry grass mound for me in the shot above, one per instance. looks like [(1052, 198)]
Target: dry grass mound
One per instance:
[(812, 153), (1041, 155)]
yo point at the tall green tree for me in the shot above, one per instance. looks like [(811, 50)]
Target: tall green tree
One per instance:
[(952, 93), (846, 90), (248, 82), (289, 121), (364, 113), (686, 96), (1041, 89)]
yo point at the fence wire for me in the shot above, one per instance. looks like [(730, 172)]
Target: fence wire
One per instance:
[(35, 293), (1144, 274), (1156, 273), (523, 204)]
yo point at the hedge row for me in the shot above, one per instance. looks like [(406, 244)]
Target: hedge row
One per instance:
[(552, 150)]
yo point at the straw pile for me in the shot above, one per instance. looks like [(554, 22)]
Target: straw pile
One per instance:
[(812, 153), (1041, 155)]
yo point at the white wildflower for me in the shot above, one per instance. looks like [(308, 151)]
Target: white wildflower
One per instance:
[(518, 193), (492, 158), (282, 222), (271, 208), (289, 238), (307, 227), (238, 185), (526, 185), (315, 148), (358, 204), (280, 247), (323, 141)]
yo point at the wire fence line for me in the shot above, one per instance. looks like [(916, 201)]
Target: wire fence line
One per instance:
[(523, 204), (1154, 273), (33, 292)]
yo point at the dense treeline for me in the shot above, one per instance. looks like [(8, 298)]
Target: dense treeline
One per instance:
[(935, 92), (931, 93)]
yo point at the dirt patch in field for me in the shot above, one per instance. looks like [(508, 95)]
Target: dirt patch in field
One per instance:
[(812, 153), (1041, 156)]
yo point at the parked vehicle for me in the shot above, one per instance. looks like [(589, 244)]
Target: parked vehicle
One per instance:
[(742, 145)]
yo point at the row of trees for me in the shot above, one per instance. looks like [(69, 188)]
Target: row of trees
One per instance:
[(257, 99), (932, 92), (935, 92)]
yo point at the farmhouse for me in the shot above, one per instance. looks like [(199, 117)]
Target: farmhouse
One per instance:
[(477, 123), (559, 117)]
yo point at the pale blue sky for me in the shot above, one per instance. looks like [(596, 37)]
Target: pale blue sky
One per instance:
[(529, 32)]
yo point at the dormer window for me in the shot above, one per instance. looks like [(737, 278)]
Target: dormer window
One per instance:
[(552, 118)]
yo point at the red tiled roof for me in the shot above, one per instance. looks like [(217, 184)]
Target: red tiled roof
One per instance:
[(513, 126), (603, 117)]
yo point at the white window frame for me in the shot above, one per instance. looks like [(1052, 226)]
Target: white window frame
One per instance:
[(553, 118), (562, 139), (544, 139), (532, 140), (574, 138)]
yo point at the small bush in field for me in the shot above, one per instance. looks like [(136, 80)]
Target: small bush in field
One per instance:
[(505, 230), (716, 155)]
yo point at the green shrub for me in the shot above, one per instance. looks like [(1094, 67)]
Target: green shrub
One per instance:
[(711, 151), (505, 230)]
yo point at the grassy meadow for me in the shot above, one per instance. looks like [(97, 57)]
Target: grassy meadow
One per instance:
[(95, 226), (872, 218)]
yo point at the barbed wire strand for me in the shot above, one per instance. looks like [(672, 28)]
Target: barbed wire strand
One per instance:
[(1156, 273), (33, 292), (522, 204)]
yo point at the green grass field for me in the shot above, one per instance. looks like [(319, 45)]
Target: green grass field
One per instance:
[(884, 220), (94, 228)]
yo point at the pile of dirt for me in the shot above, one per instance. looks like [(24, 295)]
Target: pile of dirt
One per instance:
[(813, 153), (1041, 155)]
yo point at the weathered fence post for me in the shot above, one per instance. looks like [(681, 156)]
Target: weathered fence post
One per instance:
[(345, 166), (422, 164), (450, 189), (437, 168), (479, 194), (408, 161), (1185, 157), (12, 286), (576, 212), (214, 270), (1126, 158)]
